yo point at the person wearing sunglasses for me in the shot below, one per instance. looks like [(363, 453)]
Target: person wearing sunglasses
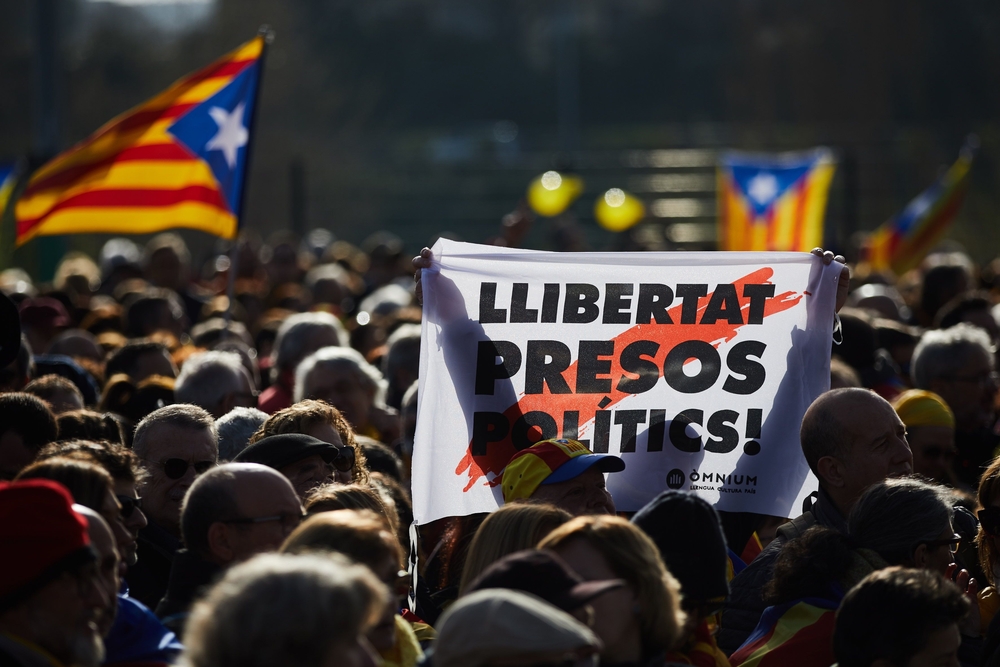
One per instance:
[(175, 444), (231, 513), (306, 461)]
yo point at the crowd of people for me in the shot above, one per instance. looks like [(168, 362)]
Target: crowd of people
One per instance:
[(220, 478)]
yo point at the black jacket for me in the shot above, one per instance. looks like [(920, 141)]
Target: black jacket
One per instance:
[(745, 605), (190, 576), (147, 579)]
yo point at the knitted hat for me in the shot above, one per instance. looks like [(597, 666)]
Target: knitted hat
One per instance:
[(551, 462), (42, 537), (687, 531), (917, 407)]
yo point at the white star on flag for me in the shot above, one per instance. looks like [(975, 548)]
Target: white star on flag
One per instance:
[(232, 134), (762, 188)]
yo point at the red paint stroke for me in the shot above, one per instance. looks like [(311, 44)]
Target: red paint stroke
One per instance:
[(667, 335)]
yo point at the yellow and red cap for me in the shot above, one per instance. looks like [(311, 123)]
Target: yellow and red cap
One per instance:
[(551, 462)]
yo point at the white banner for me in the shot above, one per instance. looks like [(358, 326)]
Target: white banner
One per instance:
[(695, 368)]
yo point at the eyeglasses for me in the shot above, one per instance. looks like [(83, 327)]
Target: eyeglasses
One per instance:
[(344, 461), (952, 543), (177, 468), (129, 505), (287, 520), (989, 519)]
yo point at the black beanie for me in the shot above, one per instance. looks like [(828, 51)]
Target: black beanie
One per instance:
[(687, 531)]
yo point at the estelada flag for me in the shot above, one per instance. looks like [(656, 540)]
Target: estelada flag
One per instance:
[(773, 201), (178, 160), (906, 238)]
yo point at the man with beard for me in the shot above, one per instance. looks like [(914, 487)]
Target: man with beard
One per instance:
[(51, 596)]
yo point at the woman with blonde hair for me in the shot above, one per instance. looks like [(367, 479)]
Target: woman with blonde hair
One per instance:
[(511, 528), (324, 422), (640, 622)]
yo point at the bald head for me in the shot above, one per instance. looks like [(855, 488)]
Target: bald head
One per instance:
[(852, 438), (237, 510), (103, 541)]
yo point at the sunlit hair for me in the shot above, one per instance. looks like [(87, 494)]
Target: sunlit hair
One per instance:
[(633, 556), (87, 482), (304, 415), (283, 610), (358, 534), (511, 528), (989, 491), (333, 497)]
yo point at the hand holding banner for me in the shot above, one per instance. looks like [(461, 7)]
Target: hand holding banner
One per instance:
[(695, 368)]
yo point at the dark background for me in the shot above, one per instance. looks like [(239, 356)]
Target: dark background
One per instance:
[(422, 116)]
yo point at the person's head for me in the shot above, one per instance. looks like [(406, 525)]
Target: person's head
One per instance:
[(91, 486), (688, 534), (108, 561), (123, 466), (299, 336), (166, 261), (299, 611), (19, 372), (563, 473), (323, 422), (380, 458), (176, 444), (543, 574), (50, 594), (930, 432), (645, 615), (215, 381), (500, 627), (900, 617), (89, 425), (78, 344), (942, 283), (61, 394), (139, 359), (974, 308), (306, 461), (364, 537), (401, 363), (957, 364), (134, 401), (26, 425), (851, 439), (988, 538), (238, 510), (341, 377), (332, 497), (154, 310), (511, 528), (907, 521), (236, 427)]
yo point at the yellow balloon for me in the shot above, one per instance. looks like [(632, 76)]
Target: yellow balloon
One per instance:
[(551, 193), (617, 210)]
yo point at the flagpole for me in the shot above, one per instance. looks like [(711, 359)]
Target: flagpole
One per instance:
[(267, 36)]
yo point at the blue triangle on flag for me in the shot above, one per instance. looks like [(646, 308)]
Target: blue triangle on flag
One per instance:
[(763, 181), (218, 132)]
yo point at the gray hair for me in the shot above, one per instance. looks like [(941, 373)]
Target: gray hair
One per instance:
[(330, 358), (295, 330), (289, 610), (940, 352), (235, 428), (208, 377), (179, 415), (895, 515)]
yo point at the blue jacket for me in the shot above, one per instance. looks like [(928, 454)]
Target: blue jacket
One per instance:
[(138, 637)]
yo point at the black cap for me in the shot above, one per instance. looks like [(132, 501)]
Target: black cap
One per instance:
[(278, 451), (545, 575), (688, 533)]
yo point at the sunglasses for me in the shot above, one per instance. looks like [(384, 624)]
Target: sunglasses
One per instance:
[(129, 505), (989, 519), (177, 468), (953, 543), (344, 460)]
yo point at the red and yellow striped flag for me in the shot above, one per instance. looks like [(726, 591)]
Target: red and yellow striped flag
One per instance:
[(178, 160)]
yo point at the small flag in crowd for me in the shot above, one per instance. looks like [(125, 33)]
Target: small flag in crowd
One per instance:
[(905, 239), (795, 633), (773, 201), (178, 160)]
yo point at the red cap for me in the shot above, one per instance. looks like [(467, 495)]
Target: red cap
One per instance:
[(41, 536)]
